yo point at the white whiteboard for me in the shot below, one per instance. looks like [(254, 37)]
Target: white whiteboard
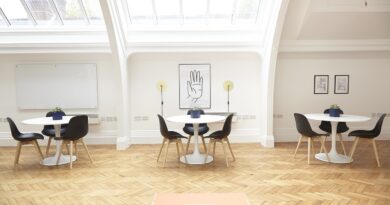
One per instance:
[(45, 86)]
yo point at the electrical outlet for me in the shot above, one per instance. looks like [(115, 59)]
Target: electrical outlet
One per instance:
[(137, 118), (145, 118)]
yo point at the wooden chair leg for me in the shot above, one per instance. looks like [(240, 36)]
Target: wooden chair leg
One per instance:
[(48, 146), (376, 152), (299, 143), (182, 149), (177, 149), (308, 149), (214, 148), (86, 149), (67, 148), (324, 142), (342, 143), (207, 151), (35, 143), (166, 152), (71, 154), (75, 147), (354, 147), (312, 148), (18, 148), (323, 147), (63, 143), (204, 143), (231, 151), (224, 152), (188, 143), (162, 146)]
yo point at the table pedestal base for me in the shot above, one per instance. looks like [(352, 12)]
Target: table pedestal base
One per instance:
[(64, 159), (196, 159), (334, 158)]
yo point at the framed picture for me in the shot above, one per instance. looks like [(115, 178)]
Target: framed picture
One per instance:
[(194, 86), (321, 84), (341, 84)]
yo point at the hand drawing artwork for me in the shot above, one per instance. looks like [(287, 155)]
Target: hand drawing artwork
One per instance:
[(194, 86)]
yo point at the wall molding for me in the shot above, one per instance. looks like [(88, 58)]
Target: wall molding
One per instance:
[(17, 48), (334, 45)]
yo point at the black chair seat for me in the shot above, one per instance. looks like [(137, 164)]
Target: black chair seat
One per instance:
[(52, 133), (216, 135), (201, 130), (175, 135), (29, 136), (362, 133)]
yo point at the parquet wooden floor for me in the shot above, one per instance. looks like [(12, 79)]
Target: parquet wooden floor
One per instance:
[(267, 176)]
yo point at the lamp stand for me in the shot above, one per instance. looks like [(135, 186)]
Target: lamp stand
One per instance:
[(162, 100), (228, 101)]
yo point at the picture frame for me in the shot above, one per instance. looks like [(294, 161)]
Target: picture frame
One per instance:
[(321, 84), (341, 84), (194, 86)]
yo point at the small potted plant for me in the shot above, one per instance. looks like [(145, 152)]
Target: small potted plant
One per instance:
[(195, 112), (57, 113), (334, 111)]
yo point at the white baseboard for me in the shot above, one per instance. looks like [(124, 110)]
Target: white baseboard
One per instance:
[(292, 135)]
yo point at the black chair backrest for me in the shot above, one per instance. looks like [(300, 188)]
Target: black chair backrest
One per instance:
[(77, 128), (50, 114), (14, 130), (327, 127), (378, 127), (163, 127), (227, 126), (303, 125), (191, 125)]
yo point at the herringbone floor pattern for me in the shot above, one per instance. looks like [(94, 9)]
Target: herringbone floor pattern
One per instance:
[(267, 176)]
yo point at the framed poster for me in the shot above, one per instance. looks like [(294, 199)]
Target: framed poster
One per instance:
[(194, 86), (321, 84), (341, 84)]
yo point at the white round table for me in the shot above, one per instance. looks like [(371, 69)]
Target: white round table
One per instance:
[(196, 157), (335, 157), (52, 160)]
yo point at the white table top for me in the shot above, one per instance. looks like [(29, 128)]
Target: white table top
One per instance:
[(202, 119), (47, 121), (342, 118)]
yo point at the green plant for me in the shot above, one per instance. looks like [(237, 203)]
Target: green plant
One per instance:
[(334, 106), (57, 109)]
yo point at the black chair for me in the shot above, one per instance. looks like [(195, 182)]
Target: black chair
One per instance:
[(48, 130), (23, 139), (189, 129), (304, 128), (221, 136), (341, 128), (169, 137), (74, 133), (370, 135)]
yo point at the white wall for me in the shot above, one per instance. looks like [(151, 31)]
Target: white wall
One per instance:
[(146, 69), (369, 90), (108, 95)]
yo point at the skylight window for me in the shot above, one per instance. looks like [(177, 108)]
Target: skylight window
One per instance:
[(43, 13), (192, 12), (50, 12), (14, 12)]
